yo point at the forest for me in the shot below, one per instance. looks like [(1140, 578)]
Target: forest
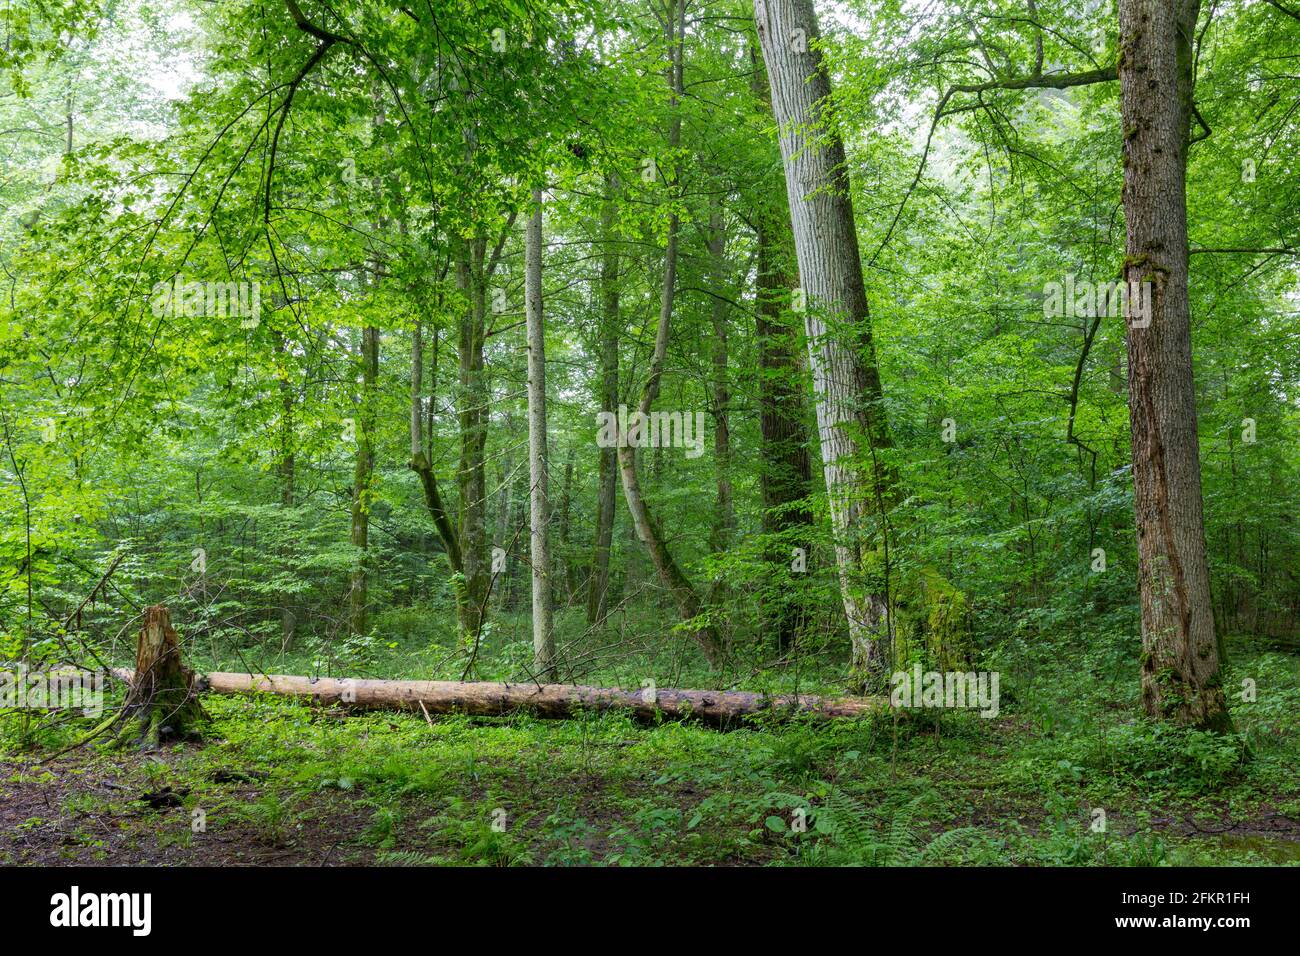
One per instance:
[(691, 433)]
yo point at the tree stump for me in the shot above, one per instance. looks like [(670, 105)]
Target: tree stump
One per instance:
[(163, 702)]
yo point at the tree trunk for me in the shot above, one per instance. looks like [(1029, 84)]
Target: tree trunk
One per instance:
[(539, 506), (287, 468), (563, 561), (683, 594), (162, 702), (363, 482), (1180, 658), (723, 511), (503, 525), (786, 470), (606, 489), (443, 523), (492, 699), (840, 350), (471, 476)]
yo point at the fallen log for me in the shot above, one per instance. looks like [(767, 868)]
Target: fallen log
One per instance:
[(492, 699)]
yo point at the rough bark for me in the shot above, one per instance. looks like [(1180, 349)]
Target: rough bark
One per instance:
[(840, 350), (539, 506), (491, 699), (1180, 659), (563, 561), (162, 701)]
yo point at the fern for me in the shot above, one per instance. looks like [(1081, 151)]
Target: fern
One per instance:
[(855, 835), (407, 858)]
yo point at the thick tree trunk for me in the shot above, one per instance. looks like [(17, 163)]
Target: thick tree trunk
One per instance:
[(1180, 659), (490, 699), (840, 350), (162, 701), (607, 484), (503, 528), (363, 482), (539, 509)]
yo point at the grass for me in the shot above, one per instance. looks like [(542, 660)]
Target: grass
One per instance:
[(1065, 775)]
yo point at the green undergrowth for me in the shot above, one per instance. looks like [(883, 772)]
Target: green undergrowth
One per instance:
[(911, 789)]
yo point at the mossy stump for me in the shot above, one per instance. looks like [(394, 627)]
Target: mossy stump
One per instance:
[(163, 702)]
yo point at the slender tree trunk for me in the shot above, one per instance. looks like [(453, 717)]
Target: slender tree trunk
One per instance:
[(471, 476), (539, 509), (1180, 658), (443, 522), (786, 470), (683, 594), (503, 527), (723, 510), (606, 488), (287, 468), (363, 481), (840, 350), (563, 561)]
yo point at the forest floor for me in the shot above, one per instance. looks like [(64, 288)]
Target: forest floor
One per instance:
[(277, 781)]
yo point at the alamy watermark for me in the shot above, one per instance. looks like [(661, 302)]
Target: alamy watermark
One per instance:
[(73, 909), (652, 430), (25, 689), (241, 300), (1086, 299), (953, 689)]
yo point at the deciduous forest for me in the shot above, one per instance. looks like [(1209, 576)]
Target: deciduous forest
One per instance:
[(649, 432)]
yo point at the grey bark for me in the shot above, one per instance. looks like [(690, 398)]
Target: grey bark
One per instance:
[(840, 350)]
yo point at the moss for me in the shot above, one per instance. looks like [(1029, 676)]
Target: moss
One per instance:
[(932, 622)]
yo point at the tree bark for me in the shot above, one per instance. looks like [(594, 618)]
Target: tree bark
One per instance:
[(840, 349), (287, 468), (1180, 658), (539, 510), (162, 701), (472, 413), (491, 699), (443, 522), (563, 561)]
